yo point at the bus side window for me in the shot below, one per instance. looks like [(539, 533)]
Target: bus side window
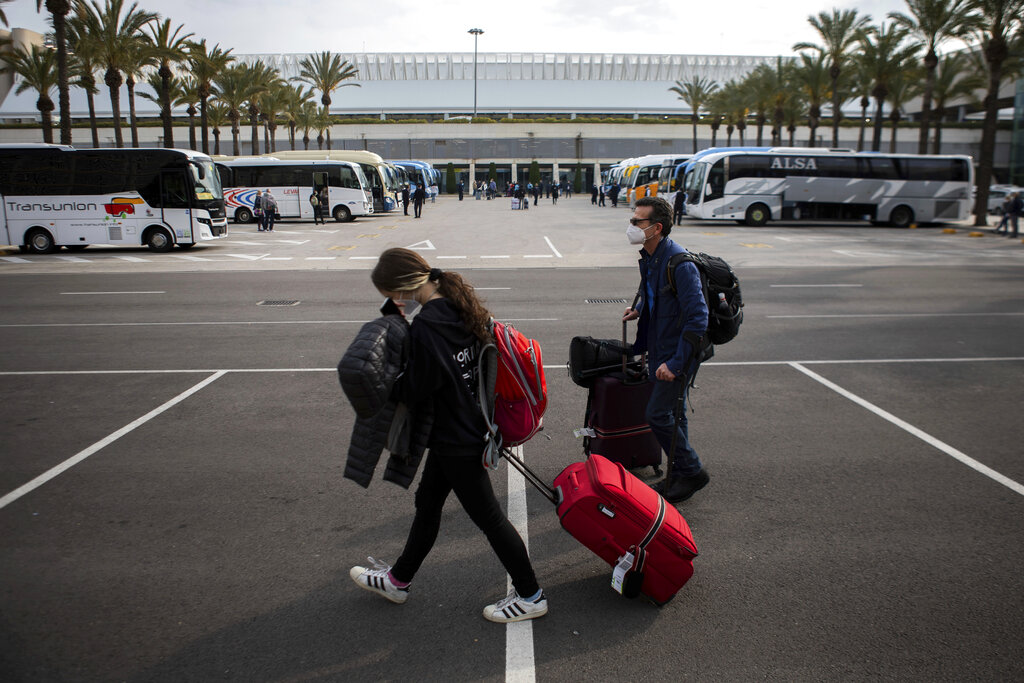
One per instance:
[(882, 169), (716, 180), (347, 178)]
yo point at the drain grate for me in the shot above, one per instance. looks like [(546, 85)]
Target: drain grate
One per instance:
[(604, 301), (279, 302)]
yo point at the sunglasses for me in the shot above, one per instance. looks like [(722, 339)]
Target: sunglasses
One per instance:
[(637, 221)]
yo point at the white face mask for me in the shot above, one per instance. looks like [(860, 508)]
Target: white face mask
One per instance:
[(635, 235), (410, 308)]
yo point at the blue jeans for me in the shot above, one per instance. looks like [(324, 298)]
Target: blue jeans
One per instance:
[(661, 416)]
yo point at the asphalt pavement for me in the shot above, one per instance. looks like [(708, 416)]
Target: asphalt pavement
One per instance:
[(172, 506)]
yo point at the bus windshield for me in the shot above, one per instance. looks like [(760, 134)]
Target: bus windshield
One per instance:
[(206, 180)]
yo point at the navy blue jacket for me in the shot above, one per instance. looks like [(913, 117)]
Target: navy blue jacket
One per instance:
[(662, 328)]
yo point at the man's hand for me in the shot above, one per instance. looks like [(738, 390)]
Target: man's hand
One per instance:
[(630, 314), (664, 373)]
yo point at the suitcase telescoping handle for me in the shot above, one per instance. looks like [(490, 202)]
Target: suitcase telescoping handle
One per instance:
[(551, 494), (632, 306)]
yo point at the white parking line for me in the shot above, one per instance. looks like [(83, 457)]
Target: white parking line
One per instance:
[(556, 252), (911, 429), (836, 285), (102, 443), (519, 657), (80, 293)]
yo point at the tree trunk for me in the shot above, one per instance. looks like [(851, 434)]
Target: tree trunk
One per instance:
[(204, 121), (876, 136), (693, 120), (45, 106), (305, 141), (931, 62), (995, 55), (834, 72), (234, 118), (291, 133), (92, 116), (132, 120), (165, 104), (255, 131), (112, 78), (59, 11), (864, 104), (728, 135), (937, 140), (216, 138), (760, 129), (191, 111)]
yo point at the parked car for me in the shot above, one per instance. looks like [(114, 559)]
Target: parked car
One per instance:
[(997, 195)]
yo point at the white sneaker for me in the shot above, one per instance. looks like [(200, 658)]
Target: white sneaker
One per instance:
[(378, 581), (514, 608)]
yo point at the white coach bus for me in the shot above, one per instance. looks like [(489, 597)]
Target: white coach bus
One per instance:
[(56, 196), (291, 182), (899, 189)]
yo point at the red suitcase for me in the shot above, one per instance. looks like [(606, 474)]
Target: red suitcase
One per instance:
[(616, 421), (613, 513)]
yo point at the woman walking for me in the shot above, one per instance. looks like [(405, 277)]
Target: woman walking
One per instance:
[(449, 328)]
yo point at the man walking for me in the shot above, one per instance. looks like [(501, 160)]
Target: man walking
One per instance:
[(670, 328), (418, 197), (405, 199)]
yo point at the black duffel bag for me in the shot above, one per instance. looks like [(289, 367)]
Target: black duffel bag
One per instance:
[(591, 358)]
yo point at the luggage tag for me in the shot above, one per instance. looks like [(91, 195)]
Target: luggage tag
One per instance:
[(584, 431), (623, 565), (628, 576)]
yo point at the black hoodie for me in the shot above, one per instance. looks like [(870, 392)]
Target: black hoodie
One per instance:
[(442, 370)]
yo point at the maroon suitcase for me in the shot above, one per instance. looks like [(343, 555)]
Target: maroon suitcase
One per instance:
[(616, 422), (613, 513)]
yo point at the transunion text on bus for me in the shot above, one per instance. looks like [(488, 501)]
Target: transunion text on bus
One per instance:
[(66, 206), (795, 162)]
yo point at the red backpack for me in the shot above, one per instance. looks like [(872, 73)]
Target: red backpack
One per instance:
[(520, 394)]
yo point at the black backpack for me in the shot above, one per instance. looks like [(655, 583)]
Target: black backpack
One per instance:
[(721, 293)]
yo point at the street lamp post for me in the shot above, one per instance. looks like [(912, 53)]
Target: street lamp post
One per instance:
[(476, 35)]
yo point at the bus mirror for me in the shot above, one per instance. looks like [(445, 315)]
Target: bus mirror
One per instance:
[(707, 190), (200, 171)]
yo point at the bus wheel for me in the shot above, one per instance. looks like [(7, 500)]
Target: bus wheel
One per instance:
[(901, 217), (342, 214), (40, 241), (243, 215), (757, 215), (157, 239)]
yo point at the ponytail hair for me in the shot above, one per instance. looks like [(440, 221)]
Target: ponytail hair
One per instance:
[(403, 270)]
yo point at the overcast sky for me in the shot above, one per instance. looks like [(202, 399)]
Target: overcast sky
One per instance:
[(726, 27)]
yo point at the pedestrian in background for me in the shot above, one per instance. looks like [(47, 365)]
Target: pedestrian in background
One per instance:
[(418, 197), (405, 198), (269, 211), (679, 207), (1016, 209), (257, 210), (314, 203)]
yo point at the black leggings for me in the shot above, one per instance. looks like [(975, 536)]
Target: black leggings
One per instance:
[(472, 485)]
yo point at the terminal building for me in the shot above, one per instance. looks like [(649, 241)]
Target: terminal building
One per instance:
[(558, 109)]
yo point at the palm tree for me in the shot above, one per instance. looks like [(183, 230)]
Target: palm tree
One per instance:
[(758, 85), (3, 17), (206, 66), (296, 100), (862, 81), (840, 33), (904, 87), (305, 119), (59, 10), (234, 88), (262, 78), (274, 102), (954, 80), (189, 96), (326, 73), (934, 22), (321, 123), (84, 65), (37, 68), (695, 92), (217, 115), (138, 57), (1001, 25), (169, 47), (813, 79), (114, 36), (884, 54)]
